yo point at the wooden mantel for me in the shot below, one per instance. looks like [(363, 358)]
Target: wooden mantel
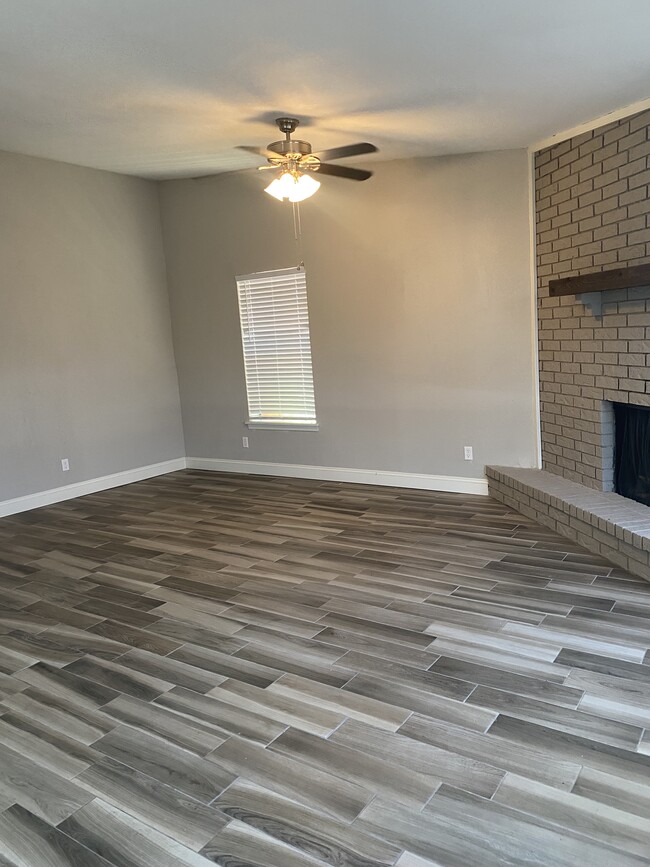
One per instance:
[(600, 281)]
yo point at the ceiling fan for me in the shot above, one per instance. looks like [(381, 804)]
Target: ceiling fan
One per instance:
[(296, 164)]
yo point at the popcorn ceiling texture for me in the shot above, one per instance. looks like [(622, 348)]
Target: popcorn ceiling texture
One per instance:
[(593, 214)]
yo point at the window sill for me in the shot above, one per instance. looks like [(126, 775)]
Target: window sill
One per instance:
[(281, 425)]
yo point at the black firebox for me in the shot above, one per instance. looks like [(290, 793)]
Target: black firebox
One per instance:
[(632, 452)]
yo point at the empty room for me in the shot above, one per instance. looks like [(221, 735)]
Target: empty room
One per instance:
[(324, 433)]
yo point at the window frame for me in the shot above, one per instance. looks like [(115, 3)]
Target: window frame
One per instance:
[(293, 423)]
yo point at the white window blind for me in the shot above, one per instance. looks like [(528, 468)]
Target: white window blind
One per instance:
[(277, 350)]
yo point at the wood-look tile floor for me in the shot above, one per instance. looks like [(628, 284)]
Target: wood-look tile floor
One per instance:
[(207, 668)]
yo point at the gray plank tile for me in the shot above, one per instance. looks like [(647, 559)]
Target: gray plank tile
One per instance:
[(524, 758), (67, 685), (25, 839), (317, 789), (60, 713), (379, 775), (626, 795), (608, 825), (380, 714), (186, 633), (427, 681), (287, 710), (47, 794), (52, 750), (118, 677), (472, 774), (239, 843), (224, 717), (309, 831), (572, 721), (451, 710), (126, 841), (172, 670), (226, 665), (132, 637), (159, 758), (294, 662), (509, 834), (165, 723), (488, 676), (572, 748), (186, 820)]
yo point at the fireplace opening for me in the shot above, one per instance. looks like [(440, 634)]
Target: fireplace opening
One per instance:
[(632, 452)]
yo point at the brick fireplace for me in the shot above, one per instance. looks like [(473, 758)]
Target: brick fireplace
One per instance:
[(592, 214)]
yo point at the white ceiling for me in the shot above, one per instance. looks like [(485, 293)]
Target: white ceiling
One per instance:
[(167, 88)]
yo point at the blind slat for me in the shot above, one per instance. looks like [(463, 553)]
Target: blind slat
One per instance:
[(276, 345)]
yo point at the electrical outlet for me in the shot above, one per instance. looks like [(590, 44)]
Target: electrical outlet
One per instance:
[(469, 453), (65, 465), (244, 442)]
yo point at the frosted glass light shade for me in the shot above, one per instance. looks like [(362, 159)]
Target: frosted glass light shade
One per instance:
[(280, 188), (289, 187), (304, 187)]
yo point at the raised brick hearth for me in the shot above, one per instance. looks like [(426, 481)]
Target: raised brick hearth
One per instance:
[(612, 526)]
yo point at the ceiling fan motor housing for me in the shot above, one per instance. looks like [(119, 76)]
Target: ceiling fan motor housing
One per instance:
[(290, 146), (286, 148)]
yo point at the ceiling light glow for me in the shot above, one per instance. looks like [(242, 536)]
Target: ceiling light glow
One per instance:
[(295, 188)]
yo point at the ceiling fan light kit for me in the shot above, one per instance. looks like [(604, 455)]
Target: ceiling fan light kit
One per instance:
[(296, 163), (292, 186)]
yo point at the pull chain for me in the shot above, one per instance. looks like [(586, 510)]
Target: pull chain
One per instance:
[(296, 220), (297, 230)]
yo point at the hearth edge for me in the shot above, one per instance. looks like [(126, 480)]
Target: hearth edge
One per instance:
[(603, 522)]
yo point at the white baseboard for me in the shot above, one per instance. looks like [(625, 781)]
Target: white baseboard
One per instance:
[(453, 484), (90, 486), (422, 481)]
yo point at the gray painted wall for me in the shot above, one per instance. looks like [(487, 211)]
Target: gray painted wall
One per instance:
[(87, 368), (420, 297)]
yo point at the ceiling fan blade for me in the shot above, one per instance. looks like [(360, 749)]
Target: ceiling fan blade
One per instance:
[(261, 152), (344, 172), (353, 150)]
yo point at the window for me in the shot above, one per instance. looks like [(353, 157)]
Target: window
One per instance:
[(277, 349)]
